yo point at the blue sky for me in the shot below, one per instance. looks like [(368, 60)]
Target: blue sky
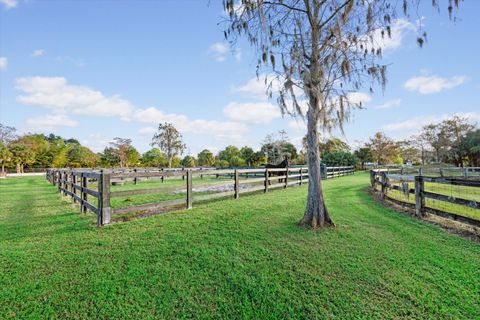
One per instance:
[(95, 70)]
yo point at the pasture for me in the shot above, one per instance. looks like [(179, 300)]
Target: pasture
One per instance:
[(242, 258)]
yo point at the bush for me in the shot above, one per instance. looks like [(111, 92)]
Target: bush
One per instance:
[(339, 159)]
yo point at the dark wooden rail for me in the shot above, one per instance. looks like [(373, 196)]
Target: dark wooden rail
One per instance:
[(381, 183)]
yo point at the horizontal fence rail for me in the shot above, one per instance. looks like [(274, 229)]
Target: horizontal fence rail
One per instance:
[(383, 183), (94, 189)]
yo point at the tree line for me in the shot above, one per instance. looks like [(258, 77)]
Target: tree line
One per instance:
[(454, 141)]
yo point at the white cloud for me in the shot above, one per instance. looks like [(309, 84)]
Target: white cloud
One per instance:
[(433, 84), (3, 63), (96, 142), (56, 94), (9, 4), (418, 122), (358, 97), (399, 29), (252, 112), (220, 130), (297, 125), (389, 104), (49, 122), (219, 51), (38, 53), (147, 131)]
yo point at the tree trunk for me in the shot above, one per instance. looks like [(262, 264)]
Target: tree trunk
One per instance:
[(17, 168), (170, 162), (316, 213), (3, 168)]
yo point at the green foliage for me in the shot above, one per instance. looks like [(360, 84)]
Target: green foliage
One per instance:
[(154, 158), (221, 163), (339, 158), (364, 155), (188, 162), (206, 158), (81, 157)]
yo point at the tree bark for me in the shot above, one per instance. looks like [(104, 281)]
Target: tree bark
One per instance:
[(316, 213), (17, 167)]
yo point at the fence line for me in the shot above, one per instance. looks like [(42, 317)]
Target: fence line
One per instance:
[(381, 182), (91, 189)]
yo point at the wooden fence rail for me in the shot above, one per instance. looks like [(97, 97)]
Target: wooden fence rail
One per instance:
[(381, 182), (91, 189)]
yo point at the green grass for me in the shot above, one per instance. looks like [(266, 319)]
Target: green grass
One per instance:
[(243, 258), (463, 192)]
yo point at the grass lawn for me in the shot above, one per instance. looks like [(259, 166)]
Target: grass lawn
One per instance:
[(228, 259)]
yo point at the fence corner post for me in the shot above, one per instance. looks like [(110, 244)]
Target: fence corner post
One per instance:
[(103, 217), (189, 189), (419, 197)]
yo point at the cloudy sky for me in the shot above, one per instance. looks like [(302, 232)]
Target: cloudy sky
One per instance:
[(95, 70)]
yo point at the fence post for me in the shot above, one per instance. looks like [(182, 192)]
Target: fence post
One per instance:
[(419, 198), (103, 217), (465, 172), (59, 183), (237, 184), (162, 174), (74, 189), (301, 176), (65, 183), (135, 178), (83, 194), (189, 189), (266, 180), (384, 184), (420, 171), (286, 178), (323, 172), (372, 179)]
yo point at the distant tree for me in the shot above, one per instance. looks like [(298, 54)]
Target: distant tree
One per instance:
[(247, 155), (188, 162), (154, 158), (221, 163), (257, 159), (5, 156), (7, 134), (469, 145), (125, 154), (436, 138), (206, 158), (22, 155), (454, 129), (364, 155), (109, 158), (326, 50), (384, 149), (169, 140), (230, 154), (409, 152), (339, 159), (333, 144), (81, 157)]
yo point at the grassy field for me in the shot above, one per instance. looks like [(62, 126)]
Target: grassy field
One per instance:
[(241, 258)]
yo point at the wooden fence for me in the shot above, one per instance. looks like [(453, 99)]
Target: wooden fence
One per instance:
[(382, 182), (92, 189)]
